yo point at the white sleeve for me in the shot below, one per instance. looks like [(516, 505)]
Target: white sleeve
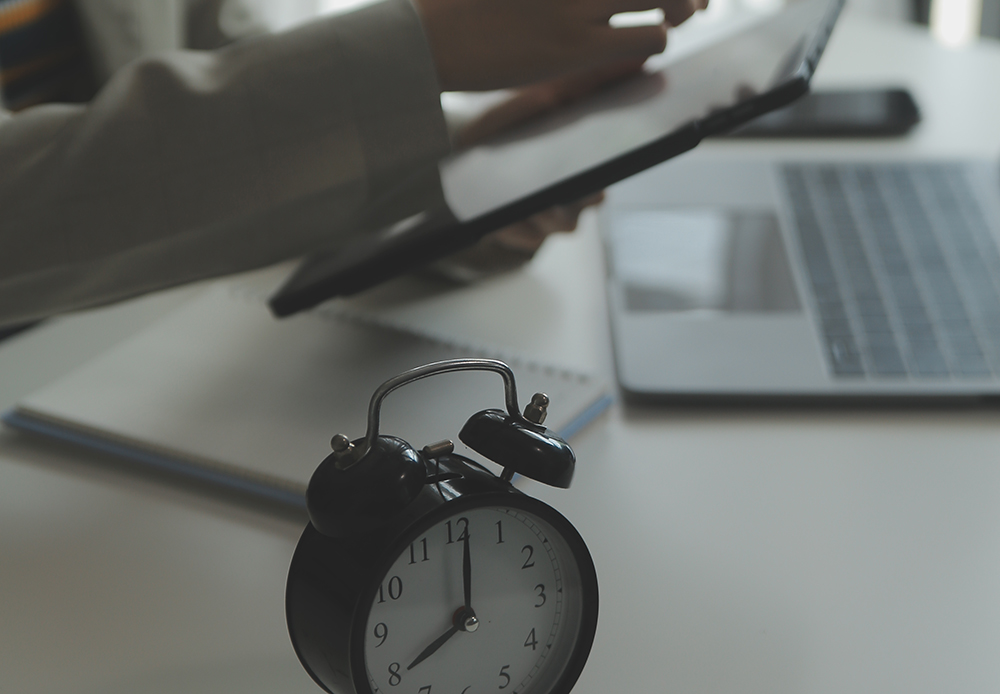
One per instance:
[(194, 164)]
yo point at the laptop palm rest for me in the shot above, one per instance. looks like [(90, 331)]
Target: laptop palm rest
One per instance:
[(703, 298)]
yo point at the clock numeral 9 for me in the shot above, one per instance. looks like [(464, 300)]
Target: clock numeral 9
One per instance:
[(506, 677), (394, 676), (527, 560), (395, 589), (464, 522), (381, 632)]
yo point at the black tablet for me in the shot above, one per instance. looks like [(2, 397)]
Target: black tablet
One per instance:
[(577, 150)]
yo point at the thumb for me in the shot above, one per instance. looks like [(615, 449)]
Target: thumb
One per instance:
[(632, 43)]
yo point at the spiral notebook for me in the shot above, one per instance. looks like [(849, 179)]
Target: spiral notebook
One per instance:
[(220, 392)]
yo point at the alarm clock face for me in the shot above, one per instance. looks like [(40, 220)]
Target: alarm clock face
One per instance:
[(488, 598)]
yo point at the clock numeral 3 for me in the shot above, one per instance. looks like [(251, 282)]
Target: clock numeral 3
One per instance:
[(395, 589), (506, 677), (394, 677), (527, 560), (541, 594)]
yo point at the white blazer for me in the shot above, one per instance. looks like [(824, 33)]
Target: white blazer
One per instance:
[(192, 164)]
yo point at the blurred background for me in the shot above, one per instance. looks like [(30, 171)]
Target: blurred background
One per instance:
[(953, 22), (86, 41)]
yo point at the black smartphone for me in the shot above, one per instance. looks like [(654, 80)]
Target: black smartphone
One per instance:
[(841, 113)]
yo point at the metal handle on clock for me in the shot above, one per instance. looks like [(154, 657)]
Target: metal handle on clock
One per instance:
[(357, 452)]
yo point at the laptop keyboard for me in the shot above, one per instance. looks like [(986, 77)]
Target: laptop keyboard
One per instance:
[(904, 271)]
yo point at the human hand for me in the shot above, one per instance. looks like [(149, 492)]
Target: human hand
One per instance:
[(496, 44), (514, 245)]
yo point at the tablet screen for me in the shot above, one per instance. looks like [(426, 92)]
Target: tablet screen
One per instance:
[(629, 116), (578, 149)]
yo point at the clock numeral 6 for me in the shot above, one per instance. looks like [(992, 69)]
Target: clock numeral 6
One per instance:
[(394, 676), (395, 589), (506, 677), (381, 632)]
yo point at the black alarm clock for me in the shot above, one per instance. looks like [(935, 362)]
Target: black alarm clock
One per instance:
[(423, 572)]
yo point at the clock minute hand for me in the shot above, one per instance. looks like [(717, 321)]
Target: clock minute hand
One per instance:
[(438, 642), (467, 574)]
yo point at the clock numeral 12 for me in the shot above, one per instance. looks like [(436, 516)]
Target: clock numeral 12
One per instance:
[(464, 522)]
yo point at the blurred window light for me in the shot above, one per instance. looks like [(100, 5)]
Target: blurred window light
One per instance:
[(955, 23)]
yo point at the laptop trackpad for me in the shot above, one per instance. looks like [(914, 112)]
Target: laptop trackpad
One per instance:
[(704, 301), (701, 259)]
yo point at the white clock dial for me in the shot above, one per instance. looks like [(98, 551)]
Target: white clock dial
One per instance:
[(525, 599)]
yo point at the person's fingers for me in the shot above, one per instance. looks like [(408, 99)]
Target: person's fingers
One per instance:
[(609, 8), (514, 245), (676, 12), (524, 237), (591, 200), (556, 219), (632, 43)]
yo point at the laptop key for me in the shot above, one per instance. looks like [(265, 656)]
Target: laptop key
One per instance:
[(903, 269)]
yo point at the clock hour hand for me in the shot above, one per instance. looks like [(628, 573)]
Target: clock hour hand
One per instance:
[(438, 642)]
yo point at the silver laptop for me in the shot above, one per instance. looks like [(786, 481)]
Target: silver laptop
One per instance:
[(753, 278)]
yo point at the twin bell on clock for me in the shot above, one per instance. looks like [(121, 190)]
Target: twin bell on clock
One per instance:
[(422, 572)]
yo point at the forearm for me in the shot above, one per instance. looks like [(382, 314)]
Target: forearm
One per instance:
[(194, 164)]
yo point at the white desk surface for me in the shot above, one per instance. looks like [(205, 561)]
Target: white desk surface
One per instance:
[(738, 550)]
